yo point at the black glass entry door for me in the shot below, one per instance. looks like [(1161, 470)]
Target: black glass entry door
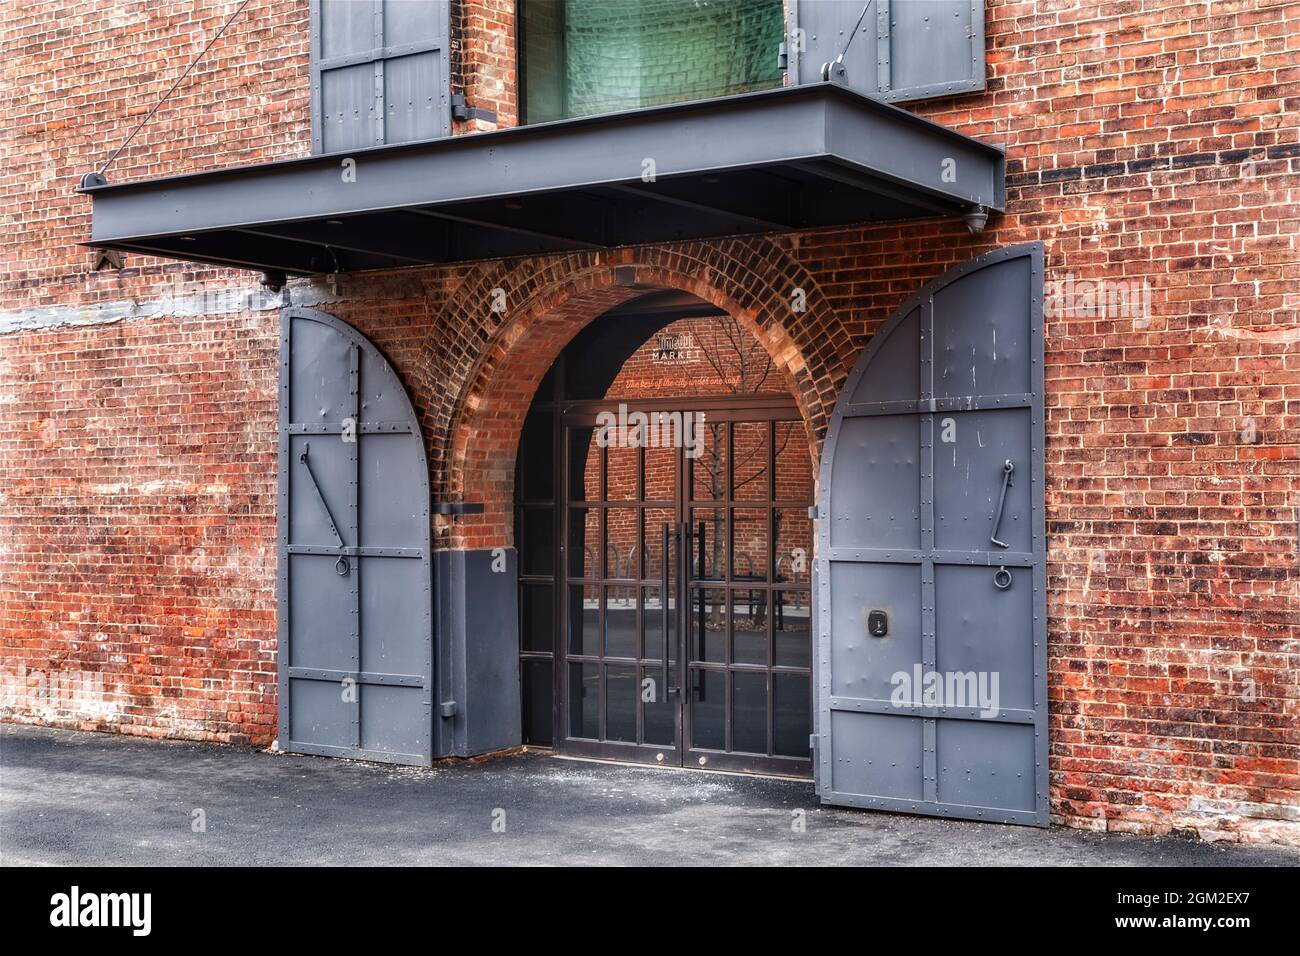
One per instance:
[(686, 601)]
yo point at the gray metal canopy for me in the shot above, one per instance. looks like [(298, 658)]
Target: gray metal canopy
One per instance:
[(776, 161)]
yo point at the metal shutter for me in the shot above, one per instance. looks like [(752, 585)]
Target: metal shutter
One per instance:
[(379, 72), (904, 50)]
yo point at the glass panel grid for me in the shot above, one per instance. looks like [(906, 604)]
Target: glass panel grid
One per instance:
[(748, 637)]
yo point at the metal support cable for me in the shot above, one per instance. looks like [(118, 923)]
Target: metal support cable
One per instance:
[(193, 63), (839, 60)]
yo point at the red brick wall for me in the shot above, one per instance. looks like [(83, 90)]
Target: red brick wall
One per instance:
[(475, 429), (78, 76), (483, 61), (1150, 141), (714, 356), (137, 484), (137, 525)]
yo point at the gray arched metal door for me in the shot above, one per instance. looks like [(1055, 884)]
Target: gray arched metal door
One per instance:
[(932, 650), (355, 599)]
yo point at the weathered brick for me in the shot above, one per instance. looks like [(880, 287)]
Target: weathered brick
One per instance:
[(138, 458)]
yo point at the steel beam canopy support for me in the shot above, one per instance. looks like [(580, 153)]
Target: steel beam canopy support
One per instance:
[(800, 157)]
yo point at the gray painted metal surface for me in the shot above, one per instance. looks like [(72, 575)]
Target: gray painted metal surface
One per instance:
[(478, 651), (379, 72), (904, 49), (779, 160), (355, 560), (913, 491)]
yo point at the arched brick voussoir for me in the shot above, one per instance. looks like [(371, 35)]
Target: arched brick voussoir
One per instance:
[(548, 301)]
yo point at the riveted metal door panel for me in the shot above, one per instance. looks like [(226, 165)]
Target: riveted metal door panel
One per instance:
[(861, 665), (321, 610), (903, 50), (379, 72), (931, 626), (355, 582), (879, 455), (968, 473)]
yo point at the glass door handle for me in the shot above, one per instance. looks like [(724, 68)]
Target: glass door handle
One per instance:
[(663, 611), (688, 545)]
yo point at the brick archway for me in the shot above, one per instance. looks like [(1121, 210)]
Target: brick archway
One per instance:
[(547, 302)]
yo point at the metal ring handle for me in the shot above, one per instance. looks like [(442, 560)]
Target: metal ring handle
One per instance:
[(1002, 578), (341, 567)]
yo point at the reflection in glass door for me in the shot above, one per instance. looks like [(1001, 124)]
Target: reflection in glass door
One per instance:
[(686, 602)]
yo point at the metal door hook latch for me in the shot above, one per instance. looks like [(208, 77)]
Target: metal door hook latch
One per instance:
[(1008, 469), (1002, 578)]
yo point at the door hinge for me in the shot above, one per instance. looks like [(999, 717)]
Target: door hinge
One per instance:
[(458, 507), (461, 110), (447, 709), (812, 512)]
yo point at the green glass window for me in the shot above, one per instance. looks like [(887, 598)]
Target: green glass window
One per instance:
[(579, 57)]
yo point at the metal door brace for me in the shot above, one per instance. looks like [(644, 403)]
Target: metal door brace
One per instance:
[(306, 450)]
